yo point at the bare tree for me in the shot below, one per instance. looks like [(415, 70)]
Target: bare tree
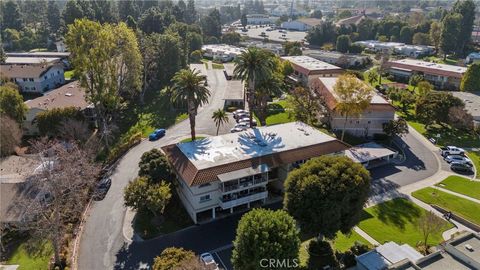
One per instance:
[(10, 135), (57, 193), (429, 224)]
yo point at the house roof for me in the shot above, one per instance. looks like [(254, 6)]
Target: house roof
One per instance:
[(202, 161), (310, 65), (30, 60), (367, 152), (310, 21), (68, 95), (351, 20), (234, 90), (25, 71), (331, 98), (434, 68)]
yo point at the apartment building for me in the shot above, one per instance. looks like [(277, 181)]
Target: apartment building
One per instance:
[(302, 24), (34, 78), (221, 52), (223, 174), (370, 122), (339, 59), (440, 75), (306, 69), (397, 48)]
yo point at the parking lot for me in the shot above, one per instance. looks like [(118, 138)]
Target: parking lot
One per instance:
[(222, 257), (254, 33)]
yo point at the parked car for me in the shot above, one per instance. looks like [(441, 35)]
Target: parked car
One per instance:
[(452, 150), (242, 115), (247, 121), (157, 134), (463, 167), (243, 125), (239, 111), (244, 30), (209, 261), (458, 159), (236, 129), (282, 31), (102, 188)]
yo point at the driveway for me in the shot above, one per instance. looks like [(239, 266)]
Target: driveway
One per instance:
[(102, 237)]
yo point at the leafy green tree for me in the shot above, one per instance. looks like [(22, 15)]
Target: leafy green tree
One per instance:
[(50, 121), (265, 234), (316, 14), (471, 79), (406, 34), (344, 14), (128, 8), (101, 56), (365, 29), (397, 127), (3, 55), (220, 117), (140, 194), (292, 48), (195, 41), (189, 88), (53, 17), (196, 56), (421, 39), (353, 97), (433, 107), (168, 54), (10, 135), (451, 25), (415, 79), (343, 43), (11, 102), (11, 16), (177, 258), (192, 13), (372, 76), (211, 24), (320, 34), (303, 105), (266, 88), (71, 12), (251, 66), (154, 165), (231, 38), (152, 21), (423, 88), (327, 194), (465, 8)]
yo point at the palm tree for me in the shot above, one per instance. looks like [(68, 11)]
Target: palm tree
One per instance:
[(353, 97), (252, 66), (266, 88), (220, 117), (189, 87)]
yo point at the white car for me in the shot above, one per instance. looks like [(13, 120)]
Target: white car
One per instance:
[(247, 121), (239, 111), (241, 115), (236, 129), (209, 261), (452, 150), (457, 159)]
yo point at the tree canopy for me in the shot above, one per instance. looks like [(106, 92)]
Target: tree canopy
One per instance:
[(327, 194), (154, 165), (471, 79), (141, 194), (11, 102)]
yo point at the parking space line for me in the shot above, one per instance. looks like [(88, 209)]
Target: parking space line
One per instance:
[(221, 261), (221, 248)]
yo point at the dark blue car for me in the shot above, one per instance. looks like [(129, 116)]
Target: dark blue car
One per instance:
[(157, 134)]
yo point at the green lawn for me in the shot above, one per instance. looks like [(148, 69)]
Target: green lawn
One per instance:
[(436, 59), (69, 74), (190, 139), (462, 207), (461, 185), (277, 113), (396, 220), (174, 219), (475, 157), (217, 66), (342, 243), (30, 256)]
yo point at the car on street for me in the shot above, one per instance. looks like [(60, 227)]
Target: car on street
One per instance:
[(282, 31), (242, 115), (236, 129), (209, 261), (247, 120), (239, 111), (244, 30), (157, 134), (462, 167), (458, 159), (242, 125), (102, 188), (452, 150)]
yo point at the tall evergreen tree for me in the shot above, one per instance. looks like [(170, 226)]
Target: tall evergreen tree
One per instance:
[(191, 12), (53, 17), (451, 25), (12, 17), (71, 12), (211, 24), (465, 8), (128, 8)]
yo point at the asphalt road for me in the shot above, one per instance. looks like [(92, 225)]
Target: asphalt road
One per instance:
[(276, 36), (102, 237)]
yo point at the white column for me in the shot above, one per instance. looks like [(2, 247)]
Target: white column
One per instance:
[(213, 213), (249, 205), (231, 210)]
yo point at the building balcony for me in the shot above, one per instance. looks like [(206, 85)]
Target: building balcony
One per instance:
[(227, 204), (242, 185)]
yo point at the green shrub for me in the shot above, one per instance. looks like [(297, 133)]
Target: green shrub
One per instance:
[(124, 145), (232, 109), (50, 121)]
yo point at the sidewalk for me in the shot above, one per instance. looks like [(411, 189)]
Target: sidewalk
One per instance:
[(457, 194), (366, 236)]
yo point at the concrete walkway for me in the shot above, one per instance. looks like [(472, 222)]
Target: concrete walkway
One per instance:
[(366, 236), (457, 194)]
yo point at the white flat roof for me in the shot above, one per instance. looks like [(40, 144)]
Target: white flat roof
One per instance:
[(30, 60), (368, 151), (223, 48), (234, 90), (395, 253), (257, 142), (442, 67), (310, 63), (330, 82)]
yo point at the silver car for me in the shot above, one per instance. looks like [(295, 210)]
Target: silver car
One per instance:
[(457, 159)]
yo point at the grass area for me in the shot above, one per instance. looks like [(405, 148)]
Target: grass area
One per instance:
[(462, 207), (32, 256), (396, 220), (475, 157), (277, 113), (174, 219), (190, 139), (342, 243), (217, 66), (69, 74), (461, 185), (439, 60)]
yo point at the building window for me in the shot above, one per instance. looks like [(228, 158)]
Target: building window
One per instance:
[(205, 198), (45, 77), (204, 185), (33, 88), (30, 79), (58, 71), (24, 79)]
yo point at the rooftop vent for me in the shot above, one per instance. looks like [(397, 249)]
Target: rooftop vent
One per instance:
[(68, 94)]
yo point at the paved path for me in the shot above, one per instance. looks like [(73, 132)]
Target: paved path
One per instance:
[(103, 236), (457, 194), (366, 236)]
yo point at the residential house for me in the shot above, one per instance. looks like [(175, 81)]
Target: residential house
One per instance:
[(473, 57), (476, 35), (339, 59), (371, 154), (351, 20), (34, 78), (414, 51), (382, 257), (306, 69), (257, 19), (440, 75), (68, 95), (222, 174), (302, 24), (272, 47), (369, 122), (14, 60), (221, 52)]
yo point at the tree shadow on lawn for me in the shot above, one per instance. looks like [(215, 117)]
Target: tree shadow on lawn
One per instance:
[(397, 212)]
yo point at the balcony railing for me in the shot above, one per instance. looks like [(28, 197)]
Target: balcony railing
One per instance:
[(250, 183), (243, 200)]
